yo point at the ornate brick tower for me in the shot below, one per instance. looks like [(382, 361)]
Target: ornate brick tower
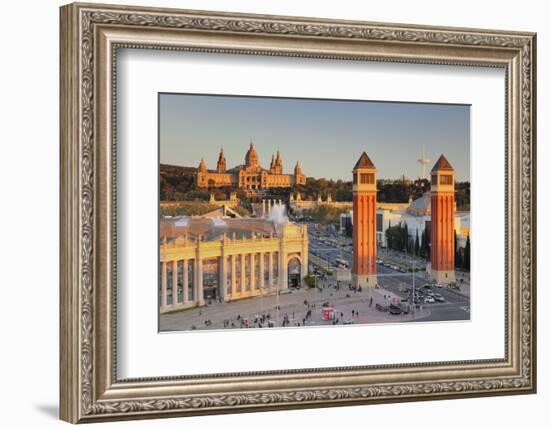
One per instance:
[(221, 162), (364, 223), (443, 214), (278, 164), (202, 173), (299, 177)]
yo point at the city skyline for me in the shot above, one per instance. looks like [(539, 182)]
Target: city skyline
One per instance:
[(299, 127)]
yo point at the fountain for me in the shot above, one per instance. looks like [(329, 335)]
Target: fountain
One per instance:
[(277, 214)]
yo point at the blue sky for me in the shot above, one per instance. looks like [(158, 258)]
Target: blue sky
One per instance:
[(325, 136)]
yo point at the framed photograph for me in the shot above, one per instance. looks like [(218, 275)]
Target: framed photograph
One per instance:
[(266, 212)]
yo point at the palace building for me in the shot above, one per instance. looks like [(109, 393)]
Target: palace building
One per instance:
[(221, 258), (250, 175)]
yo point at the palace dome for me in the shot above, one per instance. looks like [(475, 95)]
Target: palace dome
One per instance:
[(252, 158), (202, 166)]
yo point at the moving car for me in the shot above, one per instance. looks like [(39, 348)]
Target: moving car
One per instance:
[(429, 300), (438, 297)]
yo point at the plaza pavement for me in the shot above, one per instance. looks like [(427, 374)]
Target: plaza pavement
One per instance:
[(225, 315)]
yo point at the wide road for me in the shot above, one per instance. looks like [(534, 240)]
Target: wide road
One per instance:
[(455, 307)]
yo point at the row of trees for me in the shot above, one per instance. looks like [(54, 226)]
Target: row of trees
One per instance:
[(325, 214), (398, 238), (193, 208), (178, 183)]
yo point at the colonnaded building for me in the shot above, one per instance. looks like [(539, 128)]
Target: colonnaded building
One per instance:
[(223, 258), (250, 176)]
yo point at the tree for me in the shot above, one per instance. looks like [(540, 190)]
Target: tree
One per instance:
[(395, 236), (457, 261), (405, 238), (425, 244)]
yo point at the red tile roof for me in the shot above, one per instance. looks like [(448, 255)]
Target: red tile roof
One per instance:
[(442, 164), (364, 162)]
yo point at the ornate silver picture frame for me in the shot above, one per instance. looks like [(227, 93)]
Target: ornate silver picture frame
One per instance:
[(91, 36)]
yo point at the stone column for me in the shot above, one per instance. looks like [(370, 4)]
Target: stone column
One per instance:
[(185, 282), (223, 277), (283, 268), (195, 283), (200, 292), (270, 271), (305, 252), (252, 272), (163, 285), (233, 276), (243, 283), (175, 282), (262, 270)]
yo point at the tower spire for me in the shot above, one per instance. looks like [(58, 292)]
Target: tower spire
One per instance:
[(221, 166)]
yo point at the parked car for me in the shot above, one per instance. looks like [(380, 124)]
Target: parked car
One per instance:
[(381, 307), (395, 309), (405, 308), (438, 285)]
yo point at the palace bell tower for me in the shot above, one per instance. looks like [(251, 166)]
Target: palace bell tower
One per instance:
[(364, 223), (222, 165), (443, 214)]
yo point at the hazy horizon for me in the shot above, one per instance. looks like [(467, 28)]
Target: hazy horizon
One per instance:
[(393, 134)]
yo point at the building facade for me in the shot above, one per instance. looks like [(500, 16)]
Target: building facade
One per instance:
[(250, 176), (298, 205), (364, 220), (228, 259), (442, 220)]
